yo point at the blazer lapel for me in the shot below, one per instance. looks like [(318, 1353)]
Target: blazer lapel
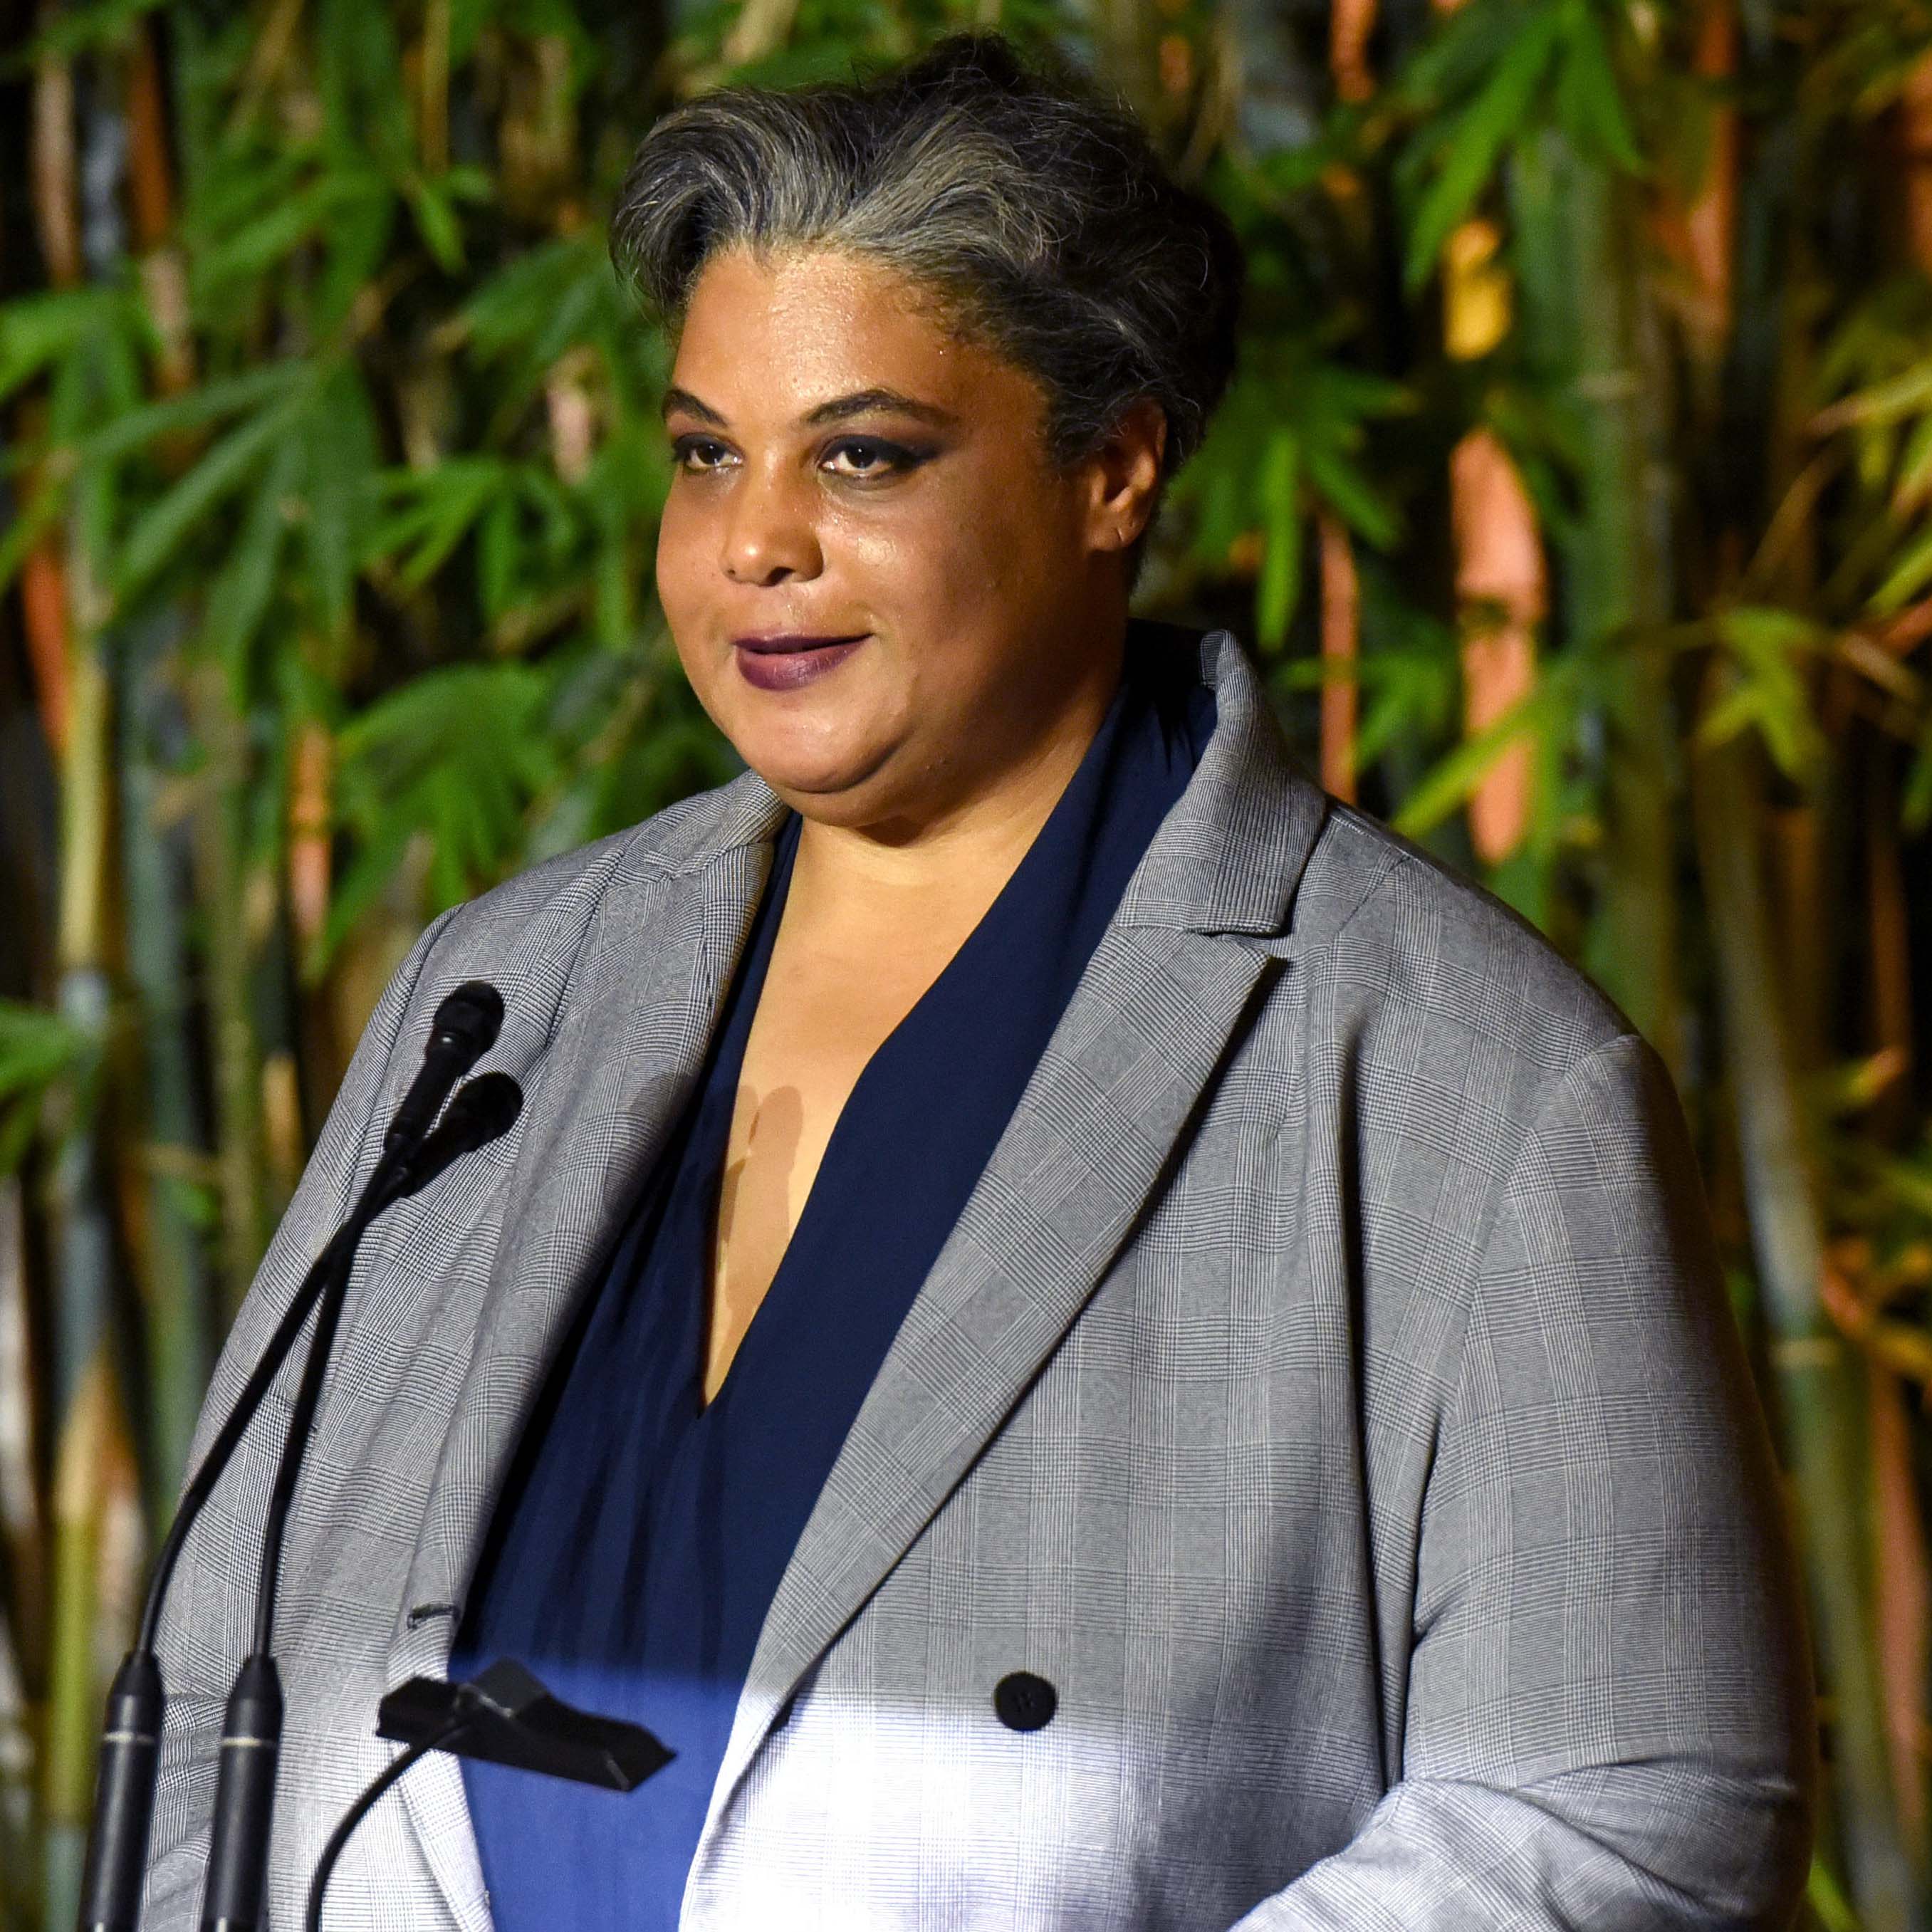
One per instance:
[(636, 1019), (1198, 933)]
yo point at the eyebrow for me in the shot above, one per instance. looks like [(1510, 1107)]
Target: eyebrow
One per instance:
[(838, 409)]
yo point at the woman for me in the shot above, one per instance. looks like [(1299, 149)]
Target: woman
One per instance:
[(1090, 1337)]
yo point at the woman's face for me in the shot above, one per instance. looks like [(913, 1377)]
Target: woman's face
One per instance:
[(880, 591)]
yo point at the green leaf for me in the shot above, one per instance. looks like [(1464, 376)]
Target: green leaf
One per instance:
[(38, 1049), (456, 755), (1589, 103), (437, 224), (1453, 778), (1911, 572), (241, 593), (1911, 489), (1767, 688), (43, 511), (76, 30), (1889, 402), (264, 242), (341, 463), (169, 522), (1498, 114), (37, 330), (226, 396), (439, 506), (1347, 491)]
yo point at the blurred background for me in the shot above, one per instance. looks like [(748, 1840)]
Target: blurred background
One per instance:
[(1575, 491)]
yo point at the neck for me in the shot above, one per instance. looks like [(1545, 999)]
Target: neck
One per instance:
[(954, 860)]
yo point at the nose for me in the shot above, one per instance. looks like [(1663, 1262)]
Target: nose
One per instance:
[(769, 533)]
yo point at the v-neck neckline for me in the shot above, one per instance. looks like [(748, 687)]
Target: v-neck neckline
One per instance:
[(1084, 797)]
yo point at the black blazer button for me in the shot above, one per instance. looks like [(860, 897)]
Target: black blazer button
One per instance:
[(1023, 1702)]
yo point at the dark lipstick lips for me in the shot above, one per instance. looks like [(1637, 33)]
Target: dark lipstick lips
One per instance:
[(789, 663), (768, 646)]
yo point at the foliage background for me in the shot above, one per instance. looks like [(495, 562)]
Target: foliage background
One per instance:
[(1576, 490)]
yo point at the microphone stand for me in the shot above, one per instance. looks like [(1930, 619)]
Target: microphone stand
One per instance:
[(464, 1027), (251, 1732)]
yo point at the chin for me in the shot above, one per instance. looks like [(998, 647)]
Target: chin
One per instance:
[(820, 784)]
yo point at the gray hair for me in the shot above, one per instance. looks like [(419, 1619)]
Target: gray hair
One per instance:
[(1040, 218)]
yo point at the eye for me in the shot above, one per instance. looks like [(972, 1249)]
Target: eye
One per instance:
[(873, 457), (685, 447)]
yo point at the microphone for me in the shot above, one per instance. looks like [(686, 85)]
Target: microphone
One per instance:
[(502, 1716), (251, 1731), (464, 1027)]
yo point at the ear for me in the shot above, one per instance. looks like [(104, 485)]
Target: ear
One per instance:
[(1124, 476)]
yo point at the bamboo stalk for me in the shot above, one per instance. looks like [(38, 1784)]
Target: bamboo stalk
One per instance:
[(1350, 24), (172, 1261), (1500, 583), (1341, 626), (1591, 328), (150, 186), (1819, 1396), (23, 1586), (78, 1203), (1904, 1598), (1915, 151), (1698, 234), (56, 209), (237, 1047), (43, 607)]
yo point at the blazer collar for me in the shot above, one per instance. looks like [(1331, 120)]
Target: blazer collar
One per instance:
[(1227, 859)]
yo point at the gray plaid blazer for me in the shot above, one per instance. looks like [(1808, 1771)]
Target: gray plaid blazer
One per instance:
[(1329, 1388)]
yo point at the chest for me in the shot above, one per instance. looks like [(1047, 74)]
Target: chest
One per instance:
[(823, 1011)]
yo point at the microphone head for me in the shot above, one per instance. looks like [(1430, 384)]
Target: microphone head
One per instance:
[(473, 1014)]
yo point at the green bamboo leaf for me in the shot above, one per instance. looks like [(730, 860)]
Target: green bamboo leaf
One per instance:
[(77, 30), (360, 229), (260, 244), (457, 755), (241, 594), (1822, 1893), (437, 224), (1451, 780), (172, 519), (1278, 586), (37, 330), (1345, 487), (1914, 811), (1910, 572), (341, 462), (38, 1049), (225, 396), (1453, 60), (1768, 691), (498, 557), (1490, 122), (1887, 402), (439, 507), (365, 112), (1589, 103), (1911, 488)]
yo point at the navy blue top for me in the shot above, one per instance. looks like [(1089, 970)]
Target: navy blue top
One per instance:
[(641, 1533)]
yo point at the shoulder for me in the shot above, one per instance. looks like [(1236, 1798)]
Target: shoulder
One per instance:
[(1410, 965), (526, 933)]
